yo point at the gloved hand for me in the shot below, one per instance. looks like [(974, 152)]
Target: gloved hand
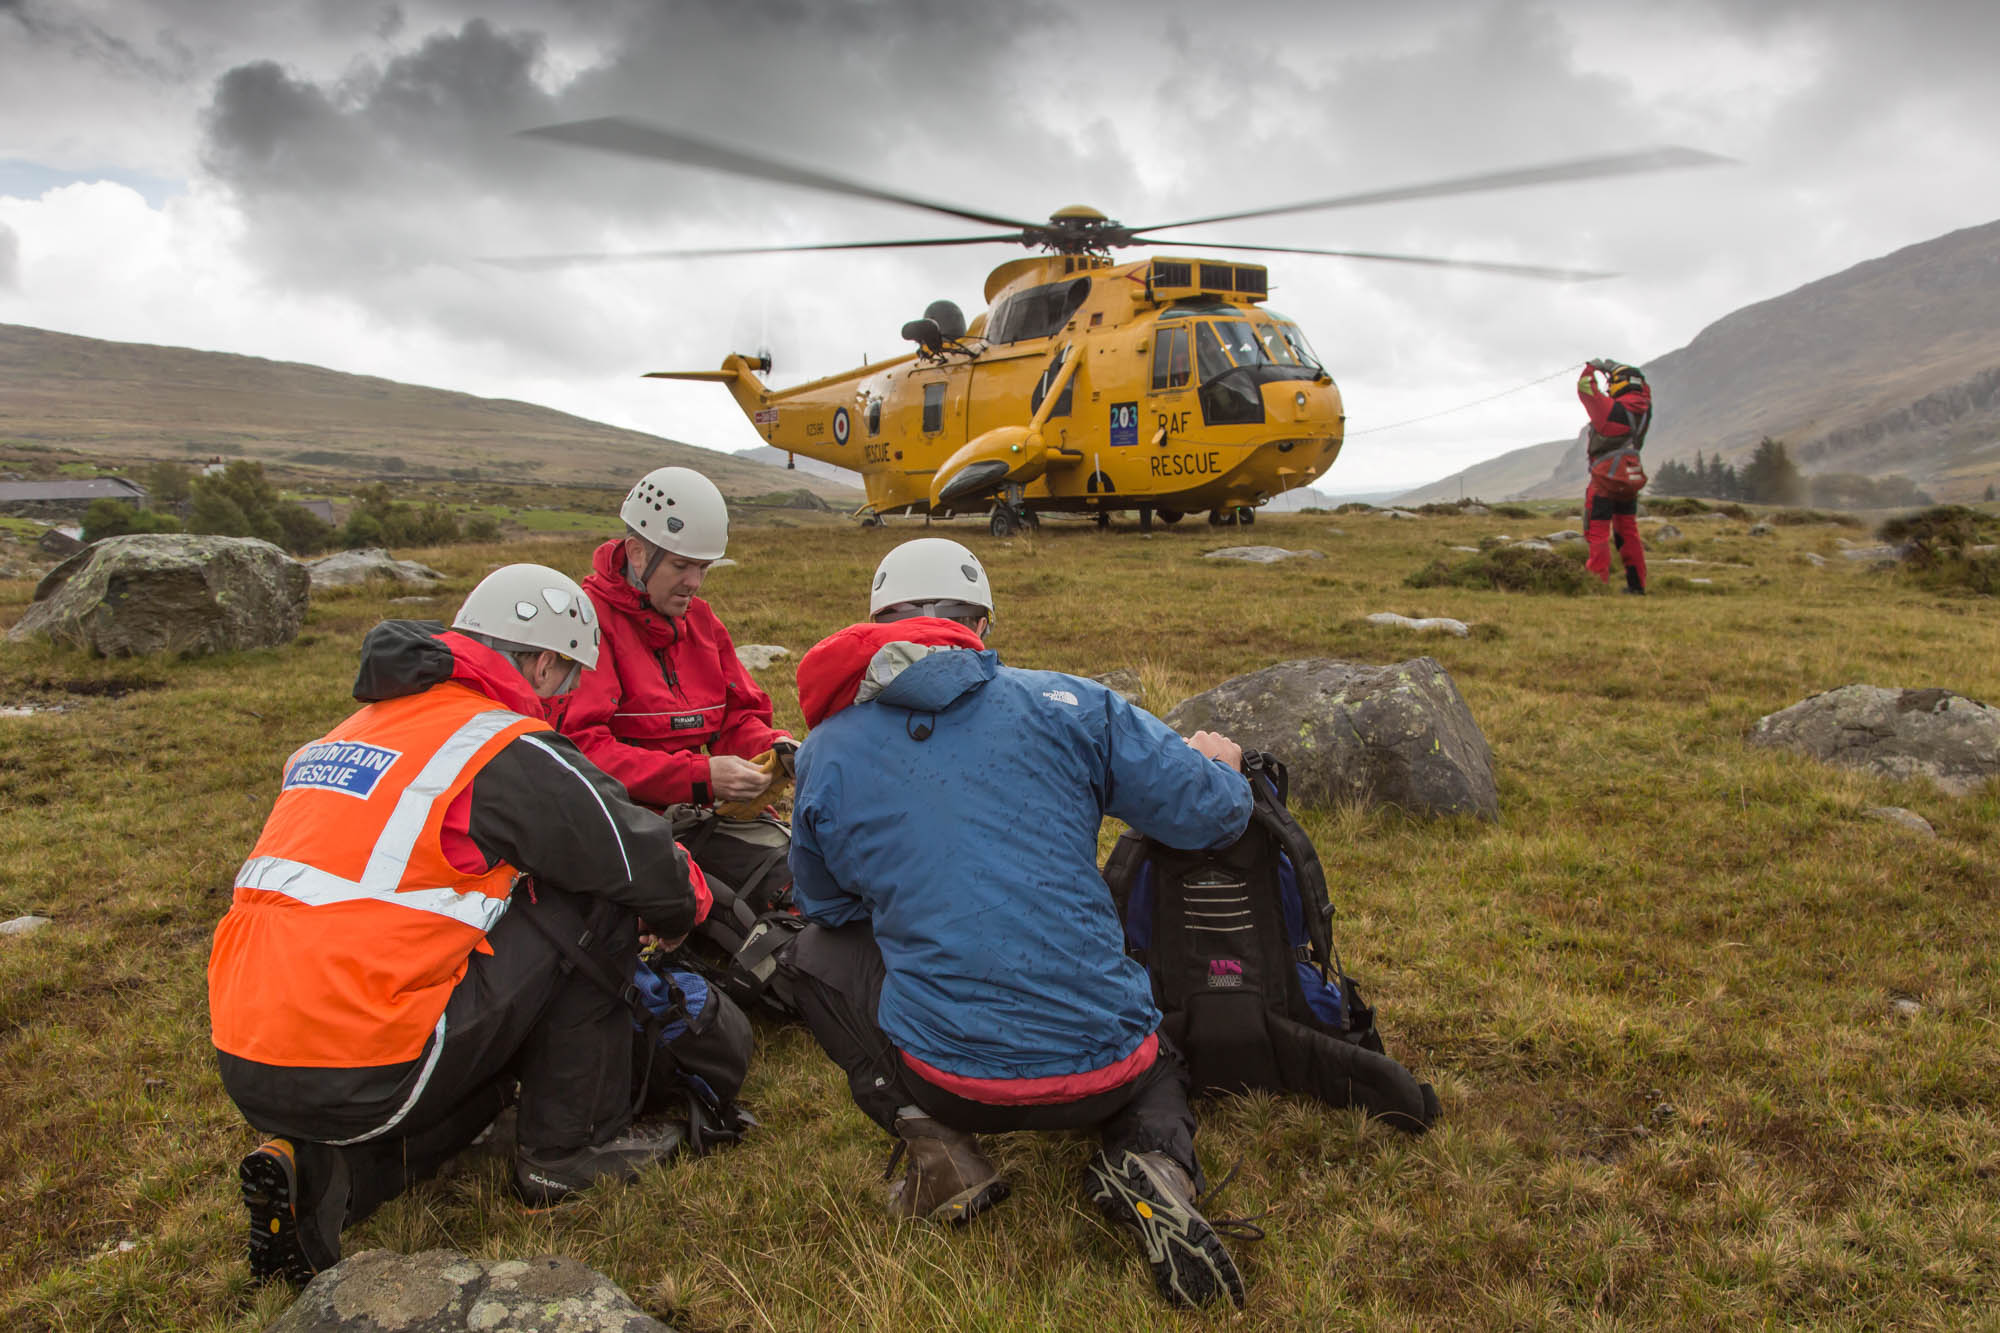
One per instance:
[(776, 780), (787, 751)]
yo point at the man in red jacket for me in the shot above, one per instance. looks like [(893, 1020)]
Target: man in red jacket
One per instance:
[(1620, 414), (669, 710)]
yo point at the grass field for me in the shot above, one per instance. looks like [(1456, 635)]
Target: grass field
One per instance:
[(1659, 998)]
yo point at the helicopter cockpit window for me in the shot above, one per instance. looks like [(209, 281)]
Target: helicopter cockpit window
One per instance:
[(934, 408), (1297, 340), (1170, 358), (1276, 345), (1037, 312), (1235, 363)]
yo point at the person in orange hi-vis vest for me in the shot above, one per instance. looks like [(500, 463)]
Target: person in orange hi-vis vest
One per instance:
[(443, 900)]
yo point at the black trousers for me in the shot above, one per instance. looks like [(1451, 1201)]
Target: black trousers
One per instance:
[(519, 1013), (840, 974)]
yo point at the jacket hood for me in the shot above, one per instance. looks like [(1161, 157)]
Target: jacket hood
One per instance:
[(404, 657), (868, 661), (613, 594)]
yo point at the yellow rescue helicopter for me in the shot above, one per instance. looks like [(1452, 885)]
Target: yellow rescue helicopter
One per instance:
[(1088, 386)]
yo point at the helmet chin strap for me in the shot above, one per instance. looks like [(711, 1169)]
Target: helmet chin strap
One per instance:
[(659, 553)]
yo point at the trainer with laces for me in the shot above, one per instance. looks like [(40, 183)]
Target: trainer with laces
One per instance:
[(445, 899), (965, 966)]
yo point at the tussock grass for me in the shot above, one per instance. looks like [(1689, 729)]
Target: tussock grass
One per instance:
[(1657, 998), (1511, 569)]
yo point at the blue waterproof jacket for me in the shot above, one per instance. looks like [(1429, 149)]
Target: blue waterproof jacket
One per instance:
[(957, 810)]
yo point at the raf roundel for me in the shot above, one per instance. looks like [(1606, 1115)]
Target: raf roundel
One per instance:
[(840, 425)]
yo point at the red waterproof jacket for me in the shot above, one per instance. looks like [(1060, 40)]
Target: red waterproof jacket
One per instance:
[(1614, 421), (664, 696)]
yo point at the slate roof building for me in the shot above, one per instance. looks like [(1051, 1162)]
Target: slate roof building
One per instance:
[(68, 498)]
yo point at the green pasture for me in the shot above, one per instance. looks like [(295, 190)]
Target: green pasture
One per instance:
[(1716, 1049)]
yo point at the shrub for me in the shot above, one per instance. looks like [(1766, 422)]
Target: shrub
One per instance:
[(1797, 516), (1515, 511), (1674, 506), (1938, 548), (115, 518), (1509, 569)]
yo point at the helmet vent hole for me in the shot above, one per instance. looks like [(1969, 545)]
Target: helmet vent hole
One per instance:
[(525, 610)]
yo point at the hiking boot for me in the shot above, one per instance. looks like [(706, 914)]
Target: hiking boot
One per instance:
[(1150, 1193), (1634, 590), (947, 1179), (545, 1177), (294, 1222)]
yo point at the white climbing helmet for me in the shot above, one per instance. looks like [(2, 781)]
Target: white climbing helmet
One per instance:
[(526, 608), (678, 510), (931, 576)]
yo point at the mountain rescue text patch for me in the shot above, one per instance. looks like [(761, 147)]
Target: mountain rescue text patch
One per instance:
[(343, 766)]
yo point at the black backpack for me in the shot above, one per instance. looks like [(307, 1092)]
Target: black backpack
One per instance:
[(1240, 950), (737, 945)]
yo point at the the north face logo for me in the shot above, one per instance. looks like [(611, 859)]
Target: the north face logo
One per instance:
[(1225, 974)]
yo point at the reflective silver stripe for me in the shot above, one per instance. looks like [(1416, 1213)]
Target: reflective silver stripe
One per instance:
[(317, 888), (398, 840), (616, 836), (423, 1081)]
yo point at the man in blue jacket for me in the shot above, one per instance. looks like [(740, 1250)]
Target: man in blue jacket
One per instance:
[(966, 967)]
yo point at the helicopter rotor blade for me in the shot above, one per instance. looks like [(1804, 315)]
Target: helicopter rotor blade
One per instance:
[(545, 263), (1431, 261), (1552, 173), (636, 138)]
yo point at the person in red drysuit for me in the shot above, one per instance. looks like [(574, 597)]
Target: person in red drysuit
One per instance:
[(1620, 412)]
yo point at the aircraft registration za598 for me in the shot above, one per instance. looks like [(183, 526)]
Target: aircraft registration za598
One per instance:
[(1089, 385)]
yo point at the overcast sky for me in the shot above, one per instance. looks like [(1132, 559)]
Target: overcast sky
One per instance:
[(316, 180)]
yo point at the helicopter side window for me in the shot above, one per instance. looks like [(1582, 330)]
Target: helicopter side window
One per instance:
[(1038, 311), (1170, 358), (874, 416), (1209, 355), (934, 408)]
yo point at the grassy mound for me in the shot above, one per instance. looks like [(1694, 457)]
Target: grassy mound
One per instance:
[(1940, 548), (1509, 569), (1799, 517)]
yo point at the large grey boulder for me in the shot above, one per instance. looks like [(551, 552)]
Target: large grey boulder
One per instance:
[(170, 593), (442, 1291), (1936, 734), (344, 569), (1396, 735)]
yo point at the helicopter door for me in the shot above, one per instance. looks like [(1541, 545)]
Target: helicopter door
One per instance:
[(1173, 374)]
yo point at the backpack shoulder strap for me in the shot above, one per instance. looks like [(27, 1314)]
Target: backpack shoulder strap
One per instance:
[(1268, 786)]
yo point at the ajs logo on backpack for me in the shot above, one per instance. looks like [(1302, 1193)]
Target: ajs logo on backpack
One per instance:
[(1240, 950), (1619, 474)]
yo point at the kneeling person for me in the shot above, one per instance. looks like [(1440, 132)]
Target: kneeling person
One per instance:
[(967, 968), (385, 971)]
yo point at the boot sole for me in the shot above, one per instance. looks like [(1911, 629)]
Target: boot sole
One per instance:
[(269, 1185), (1189, 1263), (962, 1207)]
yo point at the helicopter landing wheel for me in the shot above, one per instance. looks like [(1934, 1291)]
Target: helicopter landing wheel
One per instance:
[(1170, 516), (1003, 523), (1221, 518), (1246, 515), (1103, 518), (1029, 519), (871, 521)]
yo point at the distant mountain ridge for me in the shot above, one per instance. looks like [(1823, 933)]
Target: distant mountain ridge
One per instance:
[(138, 400), (1890, 366)]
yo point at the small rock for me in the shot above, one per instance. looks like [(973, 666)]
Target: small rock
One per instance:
[(24, 925), (110, 1248), (1125, 683), (1442, 624), (1532, 545), (1262, 555), (1469, 550), (1398, 513), (411, 601), (1763, 530), (760, 656), (1566, 535), (442, 1291), (1667, 533), (1896, 814), (1702, 582), (1905, 1007), (1884, 554), (1708, 518), (1475, 511), (1815, 559)]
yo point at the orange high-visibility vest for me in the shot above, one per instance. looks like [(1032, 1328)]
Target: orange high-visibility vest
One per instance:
[(349, 927)]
